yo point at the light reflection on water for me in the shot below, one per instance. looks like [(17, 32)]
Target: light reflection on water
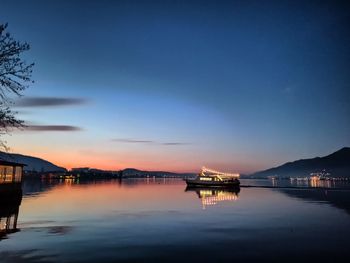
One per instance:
[(159, 220), (308, 183), (210, 196)]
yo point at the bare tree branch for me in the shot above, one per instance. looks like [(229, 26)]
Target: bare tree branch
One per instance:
[(15, 76)]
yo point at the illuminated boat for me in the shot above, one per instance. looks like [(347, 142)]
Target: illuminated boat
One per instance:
[(212, 178)]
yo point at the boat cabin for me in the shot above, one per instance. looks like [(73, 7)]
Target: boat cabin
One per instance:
[(208, 178)]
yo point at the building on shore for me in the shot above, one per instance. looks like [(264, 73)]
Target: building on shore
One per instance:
[(10, 178)]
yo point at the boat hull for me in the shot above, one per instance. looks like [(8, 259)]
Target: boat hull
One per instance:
[(196, 183)]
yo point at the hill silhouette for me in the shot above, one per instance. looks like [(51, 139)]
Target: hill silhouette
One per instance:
[(32, 163), (337, 163)]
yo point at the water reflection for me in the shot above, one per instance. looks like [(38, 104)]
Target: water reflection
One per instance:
[(154, 220), (315, 182), (33, 188), (9, 209), (210, 196), (336, 198), (297, 182)]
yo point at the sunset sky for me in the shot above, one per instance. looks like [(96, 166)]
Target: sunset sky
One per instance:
[(174, 85)]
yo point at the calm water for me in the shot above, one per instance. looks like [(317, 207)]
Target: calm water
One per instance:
[(159, 221)]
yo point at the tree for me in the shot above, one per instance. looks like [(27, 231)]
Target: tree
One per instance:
[(15, 75)]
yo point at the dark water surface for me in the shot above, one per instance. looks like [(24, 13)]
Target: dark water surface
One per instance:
[(156, 220)]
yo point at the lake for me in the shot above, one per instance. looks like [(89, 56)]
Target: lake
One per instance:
[(158, 220)]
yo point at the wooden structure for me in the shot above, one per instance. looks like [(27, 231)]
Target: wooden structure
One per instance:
[(10, 196), (10, 178), (9, 209)]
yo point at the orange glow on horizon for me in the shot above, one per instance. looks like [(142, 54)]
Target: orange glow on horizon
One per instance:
[(120, 161)]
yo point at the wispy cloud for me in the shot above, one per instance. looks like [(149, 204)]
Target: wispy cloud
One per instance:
[(174, 143), (49, 102), (60, 128), (132, 141), (123, 140)]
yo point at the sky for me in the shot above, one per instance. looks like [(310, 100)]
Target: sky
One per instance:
[(174, 85)]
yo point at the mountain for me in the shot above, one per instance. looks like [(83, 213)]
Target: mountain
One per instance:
[(337, 164), (33, 163)]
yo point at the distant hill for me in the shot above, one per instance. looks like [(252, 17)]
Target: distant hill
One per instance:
[(33, 163), (337, 163), (132, 172), (129, 173)]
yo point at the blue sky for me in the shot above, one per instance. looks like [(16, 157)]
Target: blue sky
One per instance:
[(238, 85)]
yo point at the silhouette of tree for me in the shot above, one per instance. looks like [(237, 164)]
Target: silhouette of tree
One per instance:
[(15, 74)]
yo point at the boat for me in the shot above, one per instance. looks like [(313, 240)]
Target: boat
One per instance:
[(211, 178)]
